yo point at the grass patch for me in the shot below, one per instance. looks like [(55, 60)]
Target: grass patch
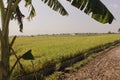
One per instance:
[(52, 50), (54, 76)]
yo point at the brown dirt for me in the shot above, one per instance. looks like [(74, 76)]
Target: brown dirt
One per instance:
[(104, 67)]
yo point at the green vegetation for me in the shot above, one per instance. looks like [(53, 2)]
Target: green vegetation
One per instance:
[(52, 50), (10, 10), (54, 76)]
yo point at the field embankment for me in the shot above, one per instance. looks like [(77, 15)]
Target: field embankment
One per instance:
[(104, 67)]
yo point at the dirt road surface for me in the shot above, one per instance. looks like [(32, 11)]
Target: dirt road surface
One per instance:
[(104, 67)]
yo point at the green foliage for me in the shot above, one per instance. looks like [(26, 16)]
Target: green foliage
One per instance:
[(28, 55), (56, 6), (94, 7), (32, 13), (28, 3)]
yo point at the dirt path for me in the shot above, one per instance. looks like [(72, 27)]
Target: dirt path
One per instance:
[(104, 67)]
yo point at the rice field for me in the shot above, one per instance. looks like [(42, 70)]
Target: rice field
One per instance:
[(51, 50)]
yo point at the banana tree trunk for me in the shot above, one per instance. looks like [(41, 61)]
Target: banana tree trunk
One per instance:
[(4, 35), (5, 57), (5, 52)]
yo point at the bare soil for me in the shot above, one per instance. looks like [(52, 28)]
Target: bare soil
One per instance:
[(104, 67)]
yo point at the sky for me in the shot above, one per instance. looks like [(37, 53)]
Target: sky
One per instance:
[(48, 21)]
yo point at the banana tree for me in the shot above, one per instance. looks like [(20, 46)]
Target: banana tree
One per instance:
[(10, 10)]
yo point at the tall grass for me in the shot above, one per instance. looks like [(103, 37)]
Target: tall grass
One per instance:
[(49, 50)]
